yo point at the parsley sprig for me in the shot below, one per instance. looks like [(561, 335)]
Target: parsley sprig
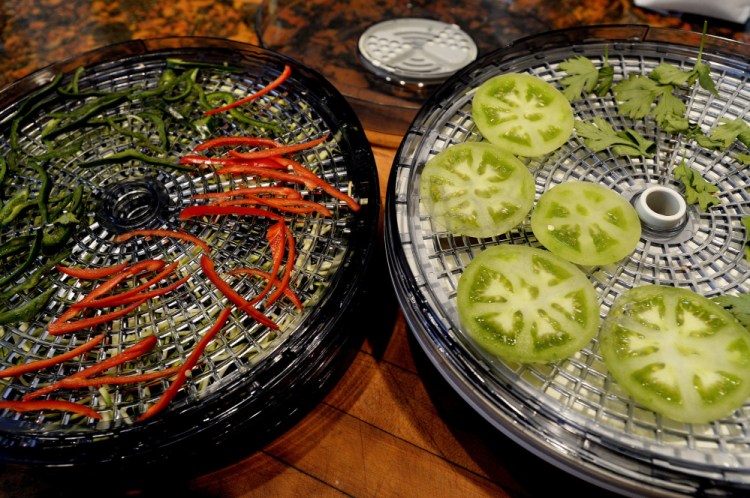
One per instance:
[(585, 78), (657, 94), (697, 189), (599, 135)]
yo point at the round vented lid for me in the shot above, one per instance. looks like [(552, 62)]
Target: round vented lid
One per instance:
[(415, 51)]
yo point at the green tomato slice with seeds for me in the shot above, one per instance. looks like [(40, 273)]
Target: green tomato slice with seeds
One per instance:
[(586, 223), (524, 304), (677, 353), (476, 189), (523, 114)]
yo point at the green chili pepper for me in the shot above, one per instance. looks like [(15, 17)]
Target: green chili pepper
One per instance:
[(56, 152), (183, 64), (76, 77), (73, 88), (66, 121), (140, 138), (161, 128), (15, 245), (28, 106), (205, 127), (32, 255), (3, 173), (44, 189), (133, 155), (167, 83), (187, 80), (36, 277), (28, 310), (14, 206), (54, 237), (59, 204)]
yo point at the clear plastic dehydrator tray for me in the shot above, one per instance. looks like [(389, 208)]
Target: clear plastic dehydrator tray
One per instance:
[(251, 378), (572, 413)]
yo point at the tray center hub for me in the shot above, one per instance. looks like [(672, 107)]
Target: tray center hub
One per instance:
[(132, 205)]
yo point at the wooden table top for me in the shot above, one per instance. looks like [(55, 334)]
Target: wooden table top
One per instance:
[(391, 426)]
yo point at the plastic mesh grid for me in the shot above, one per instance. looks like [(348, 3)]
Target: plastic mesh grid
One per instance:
[(603, 427), (132, 195)]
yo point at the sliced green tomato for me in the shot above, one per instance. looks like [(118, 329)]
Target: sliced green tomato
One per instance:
[(586, 223), (523, 114), (526, 305), (476, 189), (677, 353)]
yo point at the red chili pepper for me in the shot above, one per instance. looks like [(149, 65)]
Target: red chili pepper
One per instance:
[(229, 161), (208, 161), (50, 404), (289, 293), (275, 83), (174, 234), (33, 366), (286, 192), (78, 383), (139, 348), (235, 141), (319, 182), (196, 211), (271, 174), (295, 167), (59, 327), (121, 298), (189, 364), (92, 273), (233, 296), (278, 151), (276, 241), (296, 206), (291, 256), (106, 286)]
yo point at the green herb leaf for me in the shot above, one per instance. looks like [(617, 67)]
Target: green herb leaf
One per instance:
[(599, 135), (697, 189), (583, 77), (637, 94), (606, 78), (669, 113), (703, 72), (724, 134), (668, 74)]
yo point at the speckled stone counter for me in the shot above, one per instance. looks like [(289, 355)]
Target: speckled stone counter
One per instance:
[(34, 33)]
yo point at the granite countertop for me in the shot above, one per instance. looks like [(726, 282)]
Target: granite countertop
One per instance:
[(34, 33)]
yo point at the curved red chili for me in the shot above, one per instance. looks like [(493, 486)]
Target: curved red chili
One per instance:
[(50, 404), (92, 273), (190, 362), (273, 84), (233, 296), (175, 234), (33, 366), (139, 348)]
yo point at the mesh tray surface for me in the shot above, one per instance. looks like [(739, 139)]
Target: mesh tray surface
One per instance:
[(250, 374), (572, 413)]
